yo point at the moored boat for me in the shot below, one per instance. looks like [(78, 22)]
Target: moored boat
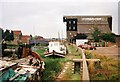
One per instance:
[(55, 49), (26, 68)]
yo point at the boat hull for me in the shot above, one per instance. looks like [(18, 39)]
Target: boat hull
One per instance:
[(54, 54)]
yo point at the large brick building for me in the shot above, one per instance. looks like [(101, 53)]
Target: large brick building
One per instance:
[(85, 24)]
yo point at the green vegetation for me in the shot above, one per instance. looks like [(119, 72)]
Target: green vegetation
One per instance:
[(73, 51), (76, 76), (108, 69), (52, 65), (7, 35), (10, 46), (89, 54), (70, 76), (96, 34), (108, 37), (41, 52), (79, 36)]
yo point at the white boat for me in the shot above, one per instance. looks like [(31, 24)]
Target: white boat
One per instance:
[(55, 49)]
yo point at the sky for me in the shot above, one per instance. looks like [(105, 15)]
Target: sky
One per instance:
[(45, 17)]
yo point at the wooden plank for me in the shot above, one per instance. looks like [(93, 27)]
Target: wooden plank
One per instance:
[(85, 77), (80, 60), (9, 50), (11, 79), (85, 72)]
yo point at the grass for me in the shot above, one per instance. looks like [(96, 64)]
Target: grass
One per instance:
[(76, 76), (9, 46), (73, 51), (41, 52), (70, 76), (108, 69), (52, 65), (88, 54)]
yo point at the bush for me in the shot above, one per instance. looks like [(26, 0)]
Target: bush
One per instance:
[(108, 37), (79, 36)]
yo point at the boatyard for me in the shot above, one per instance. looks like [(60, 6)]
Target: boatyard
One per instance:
[(76, 64), (59, 41), (59, 59)]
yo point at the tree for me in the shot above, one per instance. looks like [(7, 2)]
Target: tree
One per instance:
[(96, 34), (8, 36), (2, 32), (108, 37), (31, 37), (11, 36), (79, 36)]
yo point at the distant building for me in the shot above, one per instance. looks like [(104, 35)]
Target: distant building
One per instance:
[(85, 24), (17, 35), (38, 40), (25, 39)]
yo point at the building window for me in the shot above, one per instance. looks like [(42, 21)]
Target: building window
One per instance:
[(69, 22), (73, 22), (69, 27), (74, 28)]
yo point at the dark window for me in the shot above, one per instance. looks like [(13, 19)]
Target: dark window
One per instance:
[(70, 28), (71, 24), (74, 28)]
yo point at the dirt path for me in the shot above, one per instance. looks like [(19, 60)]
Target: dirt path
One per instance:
[(62, 75), (67, 71), (113, 52)]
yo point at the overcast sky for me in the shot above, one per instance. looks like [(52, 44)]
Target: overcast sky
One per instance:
[(45, 17)]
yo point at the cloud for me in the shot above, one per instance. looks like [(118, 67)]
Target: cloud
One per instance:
[(46, 17)]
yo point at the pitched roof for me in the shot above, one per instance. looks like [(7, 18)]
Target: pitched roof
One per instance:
[(17, 32), (89, 29), (39, 38), (25, 37)]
